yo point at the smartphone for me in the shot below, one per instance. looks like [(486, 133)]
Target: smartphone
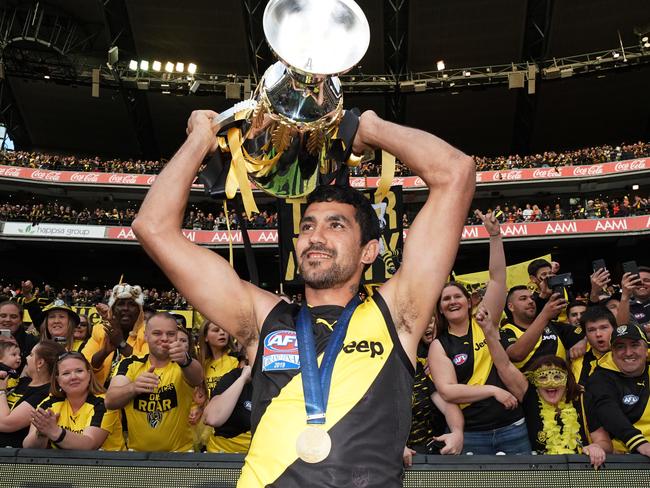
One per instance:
[(630, 267), (5, 332), (598, 264)]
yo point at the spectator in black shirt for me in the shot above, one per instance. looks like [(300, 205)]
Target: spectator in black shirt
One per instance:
[(17, 405)]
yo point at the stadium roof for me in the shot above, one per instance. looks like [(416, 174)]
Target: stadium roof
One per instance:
[(62, 38)]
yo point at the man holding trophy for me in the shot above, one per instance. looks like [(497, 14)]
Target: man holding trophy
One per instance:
[(332, 380)]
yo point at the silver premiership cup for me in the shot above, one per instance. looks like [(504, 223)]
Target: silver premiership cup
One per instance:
[(292, 134)]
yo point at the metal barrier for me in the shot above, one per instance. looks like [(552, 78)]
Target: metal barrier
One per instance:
[(35, 468)]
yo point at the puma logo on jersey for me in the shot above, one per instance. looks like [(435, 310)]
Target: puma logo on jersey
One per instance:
[(373, 347)]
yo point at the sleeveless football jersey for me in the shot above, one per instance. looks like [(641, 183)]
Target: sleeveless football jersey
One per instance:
[(474, 366), (369, 408)]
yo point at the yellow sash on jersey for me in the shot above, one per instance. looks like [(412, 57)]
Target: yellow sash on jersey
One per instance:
[(577, 365), (273, 447), (560, 351), (482, 359)]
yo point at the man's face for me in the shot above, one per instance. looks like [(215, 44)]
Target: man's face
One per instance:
[(540, 278), (328, 247), (126, 312), (159, 333), (598, 334), (10, 317), (643, 291), (630, 356), (522, 306), (575, 313)]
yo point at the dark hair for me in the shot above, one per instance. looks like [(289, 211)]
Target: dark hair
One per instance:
[(598, 312), (573, 389), (442, 324), (514, 289), (49, 351), (94, 387), (536, 265), (574, 303), (7, 343), (644, 268), (365, 215)]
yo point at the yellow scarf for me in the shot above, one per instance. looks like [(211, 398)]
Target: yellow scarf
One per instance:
[(567, 439)]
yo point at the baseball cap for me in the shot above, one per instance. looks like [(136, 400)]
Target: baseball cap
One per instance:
[(630, 331)]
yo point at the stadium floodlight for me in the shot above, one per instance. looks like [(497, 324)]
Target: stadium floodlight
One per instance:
[(133, 65), (169, 67), (440, 65), (616, 55), (467, 74), (144, 65), (180, 67), (635, 187), (191, 68), (156, 65)]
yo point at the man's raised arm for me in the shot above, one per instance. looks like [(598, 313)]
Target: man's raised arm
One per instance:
[(433, 238), (202, 276)]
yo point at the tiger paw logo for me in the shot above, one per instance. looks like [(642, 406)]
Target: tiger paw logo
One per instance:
[(541, 437), (154, 418)]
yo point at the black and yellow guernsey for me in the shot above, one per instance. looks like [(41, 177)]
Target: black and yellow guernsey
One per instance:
[(621, 403), (369, 407), (474, 366), (585, 365), (556, 339)]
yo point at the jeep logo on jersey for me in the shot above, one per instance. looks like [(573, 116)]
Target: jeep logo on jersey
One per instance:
[(459, 359), (282, 341), (280, 351), (630, 400), (373, 347)]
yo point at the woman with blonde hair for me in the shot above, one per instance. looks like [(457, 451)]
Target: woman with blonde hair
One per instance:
[(74, 416)]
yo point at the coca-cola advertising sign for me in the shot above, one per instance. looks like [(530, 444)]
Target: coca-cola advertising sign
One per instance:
[(38, 174), (80, 177), (512, 175), (636, 165), (593, 170), (121, 179), (10, 171), (482, 177), (544, 173)]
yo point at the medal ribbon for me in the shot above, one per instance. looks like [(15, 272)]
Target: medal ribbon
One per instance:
[(316, 382)]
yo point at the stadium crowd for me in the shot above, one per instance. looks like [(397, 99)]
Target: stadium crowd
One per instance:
[(566, 359), (590, 155), (77, 296), (195, 218)]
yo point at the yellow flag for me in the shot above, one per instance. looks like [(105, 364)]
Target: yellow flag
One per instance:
[(516, 274)]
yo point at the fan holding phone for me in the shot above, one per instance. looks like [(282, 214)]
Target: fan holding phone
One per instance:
[(635, 296)]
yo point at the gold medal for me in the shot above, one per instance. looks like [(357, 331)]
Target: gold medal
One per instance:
[(313, 445)]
